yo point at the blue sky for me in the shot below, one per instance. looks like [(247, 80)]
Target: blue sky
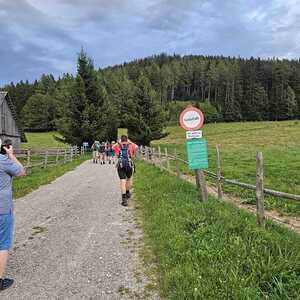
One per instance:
[(44, 36)]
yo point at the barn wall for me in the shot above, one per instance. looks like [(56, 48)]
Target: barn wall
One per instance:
[(8, 126)]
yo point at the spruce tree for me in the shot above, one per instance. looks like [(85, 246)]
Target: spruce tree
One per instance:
[(149, 117)]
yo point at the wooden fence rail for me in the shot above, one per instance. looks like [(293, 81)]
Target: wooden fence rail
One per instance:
[(157, 158), (47, 157)]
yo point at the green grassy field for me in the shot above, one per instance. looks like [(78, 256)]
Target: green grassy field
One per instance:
[(212, 250), (42, 140), (39, 176), (239, 142)]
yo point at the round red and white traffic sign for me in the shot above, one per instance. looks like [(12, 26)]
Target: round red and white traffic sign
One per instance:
[(191, 118)]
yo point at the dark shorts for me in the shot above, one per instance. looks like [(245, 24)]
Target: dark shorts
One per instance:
[(109, 153), (125, 173), (6, 231)]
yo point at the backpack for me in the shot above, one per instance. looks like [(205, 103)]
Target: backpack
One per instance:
[(125, 160)]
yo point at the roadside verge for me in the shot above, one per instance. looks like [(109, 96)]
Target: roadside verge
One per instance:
[(213, 250)]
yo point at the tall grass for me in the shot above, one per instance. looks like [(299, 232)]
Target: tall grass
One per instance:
[(213, 250)]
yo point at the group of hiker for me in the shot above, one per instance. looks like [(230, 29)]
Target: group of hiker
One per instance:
[(103, 152), (121, 154)]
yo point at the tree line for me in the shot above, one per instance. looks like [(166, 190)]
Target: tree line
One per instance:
[(144, 95)]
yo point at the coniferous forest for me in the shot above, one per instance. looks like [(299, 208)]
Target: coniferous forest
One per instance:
[(144, 95)]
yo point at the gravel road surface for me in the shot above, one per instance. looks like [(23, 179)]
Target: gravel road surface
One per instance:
[(73, 240)]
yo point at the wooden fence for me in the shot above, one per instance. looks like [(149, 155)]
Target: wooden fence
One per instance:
[(163, 160), (48, 157)]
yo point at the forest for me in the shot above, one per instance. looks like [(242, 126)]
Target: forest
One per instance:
[(146, 94)]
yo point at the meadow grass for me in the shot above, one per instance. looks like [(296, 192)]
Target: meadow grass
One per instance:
[(43, 140), (40, 176), (213, 250), (239, 142)]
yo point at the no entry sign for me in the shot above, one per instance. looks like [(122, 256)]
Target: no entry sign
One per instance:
[(191, 119)]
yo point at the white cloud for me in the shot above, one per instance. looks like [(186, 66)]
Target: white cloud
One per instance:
[(46, 35)]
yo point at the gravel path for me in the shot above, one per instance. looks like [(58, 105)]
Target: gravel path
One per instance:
[(73, 240)]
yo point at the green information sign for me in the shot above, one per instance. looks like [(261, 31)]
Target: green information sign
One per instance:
[(197, 154)]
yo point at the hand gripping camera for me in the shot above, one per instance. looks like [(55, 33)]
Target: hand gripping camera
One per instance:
[(6, 144)]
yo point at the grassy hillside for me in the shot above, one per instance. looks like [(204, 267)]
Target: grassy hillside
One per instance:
[(213, 250), (239, 142), (42, 140)]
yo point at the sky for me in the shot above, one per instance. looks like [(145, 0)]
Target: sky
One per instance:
[(45, 36)]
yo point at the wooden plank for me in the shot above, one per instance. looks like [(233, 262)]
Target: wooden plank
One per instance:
[(260, 190), (201, 182), (57, 156), (167, 159), (177, 164), (219, 180), (28, 157), (46, 159)]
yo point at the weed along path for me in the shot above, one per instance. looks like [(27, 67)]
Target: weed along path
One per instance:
[(73, 240)]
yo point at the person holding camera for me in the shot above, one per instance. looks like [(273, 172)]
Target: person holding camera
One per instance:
[(9, 168)]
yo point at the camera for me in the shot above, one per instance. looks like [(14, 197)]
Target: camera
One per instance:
[(6, 144)]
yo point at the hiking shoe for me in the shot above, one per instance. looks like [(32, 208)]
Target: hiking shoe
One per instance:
[(6, 283), (124, 202), (128, 195)]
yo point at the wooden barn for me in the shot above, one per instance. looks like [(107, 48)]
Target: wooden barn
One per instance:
[(9, 128)]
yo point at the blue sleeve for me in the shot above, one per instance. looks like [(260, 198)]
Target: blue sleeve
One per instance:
[(12, 168)]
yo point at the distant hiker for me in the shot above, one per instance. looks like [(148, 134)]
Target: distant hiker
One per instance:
[(125, 151), (9, 168), (102, 153), (113, 155), (109, 153), (96, 147)]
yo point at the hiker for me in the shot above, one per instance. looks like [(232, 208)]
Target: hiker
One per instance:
[(102, 153), (125, 151), (109, 153), (9, 168), (96, 147), (113, 155)]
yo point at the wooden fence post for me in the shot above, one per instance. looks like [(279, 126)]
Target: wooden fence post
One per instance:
[(71, 154), (142, 152), (219, 180), (46, 159), (65, 156), (159, 153), (201, 184), (57, 156), (147, 153), (167, 159), (28, 158), (177, 163), (260, 190)]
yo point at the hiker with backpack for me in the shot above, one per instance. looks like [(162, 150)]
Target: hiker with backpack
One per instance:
[(109, 153), (125, 151), (102, 153), (96, 147)]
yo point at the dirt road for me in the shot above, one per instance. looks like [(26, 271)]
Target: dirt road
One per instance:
[(72, 241)]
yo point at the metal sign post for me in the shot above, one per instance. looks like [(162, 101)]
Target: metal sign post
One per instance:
[(192, 119)]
